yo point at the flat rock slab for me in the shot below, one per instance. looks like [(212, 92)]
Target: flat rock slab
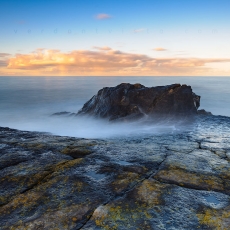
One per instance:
[(174, 181)]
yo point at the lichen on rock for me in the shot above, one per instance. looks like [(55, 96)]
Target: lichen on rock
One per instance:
[(175, 180)]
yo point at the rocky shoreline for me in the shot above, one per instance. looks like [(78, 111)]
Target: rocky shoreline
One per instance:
[(175, 180)]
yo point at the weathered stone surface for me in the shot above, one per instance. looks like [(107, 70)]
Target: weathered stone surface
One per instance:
[(153, 205), (174, 181), (128, 102)]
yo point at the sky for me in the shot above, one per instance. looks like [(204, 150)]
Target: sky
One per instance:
[(114, 38)]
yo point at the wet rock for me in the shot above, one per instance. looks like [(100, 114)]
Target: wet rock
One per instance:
[(175, 180), (228, 155), (131, 102)]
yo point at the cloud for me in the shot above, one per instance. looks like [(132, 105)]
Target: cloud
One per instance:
[(3, 63), (103, 16), (3, 55), (159, 49), (4, 59), (105, 62), (102, 48), (139, 30)]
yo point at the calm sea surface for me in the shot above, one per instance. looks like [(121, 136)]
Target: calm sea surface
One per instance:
[(26, 103)]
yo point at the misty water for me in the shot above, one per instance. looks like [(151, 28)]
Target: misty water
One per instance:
[(27, 103)]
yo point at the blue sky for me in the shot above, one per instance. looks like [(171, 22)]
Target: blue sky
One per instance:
[(185, 29)]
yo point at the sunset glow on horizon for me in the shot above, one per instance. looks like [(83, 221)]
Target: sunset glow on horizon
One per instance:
[(102, 38)]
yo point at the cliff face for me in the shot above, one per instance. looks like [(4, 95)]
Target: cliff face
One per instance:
[(165, 181), (127, 102)]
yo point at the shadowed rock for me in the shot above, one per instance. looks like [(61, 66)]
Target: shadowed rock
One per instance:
[(203, 112), (63, 114), (133, 101)]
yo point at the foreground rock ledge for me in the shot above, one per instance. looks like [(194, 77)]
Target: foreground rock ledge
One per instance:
[(167, 181), (128, 102)]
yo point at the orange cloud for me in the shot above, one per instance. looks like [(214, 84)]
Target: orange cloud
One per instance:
[(105, 62), (159, 49), (4, 59), (3, 55), (103, 16), (3, 63)]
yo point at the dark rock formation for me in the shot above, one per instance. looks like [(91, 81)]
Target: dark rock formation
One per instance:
[(127, 102), (64, 114), (165, 181), (203, 112)]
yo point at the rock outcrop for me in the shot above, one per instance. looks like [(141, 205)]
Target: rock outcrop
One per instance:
[(127, 102), (203, 112), (166, 181)]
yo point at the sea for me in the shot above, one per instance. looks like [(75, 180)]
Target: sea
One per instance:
[(27, 103)]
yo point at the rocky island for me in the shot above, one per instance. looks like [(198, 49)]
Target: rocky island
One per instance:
[(133, 101), (176, 180)]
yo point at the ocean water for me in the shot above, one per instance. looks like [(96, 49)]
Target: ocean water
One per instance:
[(27, 103)]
